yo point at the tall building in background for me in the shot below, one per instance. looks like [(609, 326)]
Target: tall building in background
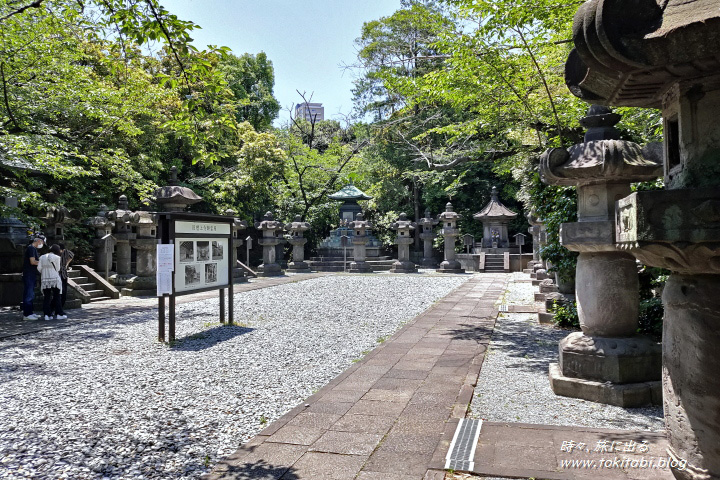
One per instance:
[(310, 111)]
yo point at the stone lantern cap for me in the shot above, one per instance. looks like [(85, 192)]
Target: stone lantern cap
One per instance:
[(494, 210), (269, 223), (237, 223), (297, 225), (101, 220), (402, 223), (360, 223), (175, 197), (349, 192), (121, 214), (629, 53), (448, 214), (608, 160), (428, 220)]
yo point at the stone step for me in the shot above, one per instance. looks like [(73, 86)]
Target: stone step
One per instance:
[(99, 299), (95, 293), (80, 280), (87, 286)]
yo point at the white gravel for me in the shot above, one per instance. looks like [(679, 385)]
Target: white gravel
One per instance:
[(514, 386), (105, 400)]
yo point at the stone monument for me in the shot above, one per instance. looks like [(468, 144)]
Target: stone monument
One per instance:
[(104, 243), (404, 229), (297, 239), (271, 237), (237, 241), (448, 222), (360, 228), (664, 55), (123, 234), (145, 244), (607, 362), (427, 235), (55, 220), (495, 218)]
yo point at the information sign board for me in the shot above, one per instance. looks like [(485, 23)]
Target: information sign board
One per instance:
[(201, 262)]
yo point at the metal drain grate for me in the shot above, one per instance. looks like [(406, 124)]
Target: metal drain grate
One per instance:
[(503, 308), (462, 448)]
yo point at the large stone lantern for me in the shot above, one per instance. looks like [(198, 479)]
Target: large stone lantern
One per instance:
[(297, 239), (361, 229), (607, 362), (55, 220), (123, 234), (173, 197), (495, 218), (664, 55), (103, 244), (145, 245), (271, 237), (404, 228), (448, 223), (237, 241), (427, 223)]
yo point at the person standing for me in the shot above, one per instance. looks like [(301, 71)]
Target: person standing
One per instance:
[(50, 282), (66, 256), (30, 262)]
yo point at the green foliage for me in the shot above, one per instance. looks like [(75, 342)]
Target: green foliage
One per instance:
[(650, 320), (566, 315)]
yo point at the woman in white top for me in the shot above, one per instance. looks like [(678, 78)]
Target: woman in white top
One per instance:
[(51, 283)]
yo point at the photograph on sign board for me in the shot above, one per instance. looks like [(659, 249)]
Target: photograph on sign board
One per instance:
[(192, 275), (203, 251), (217, 250), (211, 273), (187, 252)]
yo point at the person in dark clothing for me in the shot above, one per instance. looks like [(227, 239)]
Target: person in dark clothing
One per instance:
[(66, 256), (30, 262)]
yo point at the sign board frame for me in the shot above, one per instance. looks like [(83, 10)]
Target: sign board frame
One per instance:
[(202, 254)]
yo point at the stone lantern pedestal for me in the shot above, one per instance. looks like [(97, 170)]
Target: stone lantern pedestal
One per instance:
[(427, 235), (297, 239), (360, 228), (271, 238), (404, 239), (608, 362), (448, 221)]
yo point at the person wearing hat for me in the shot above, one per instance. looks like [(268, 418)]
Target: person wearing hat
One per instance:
[(30, 263)]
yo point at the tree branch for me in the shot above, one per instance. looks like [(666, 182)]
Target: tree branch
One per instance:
[(35, 4)]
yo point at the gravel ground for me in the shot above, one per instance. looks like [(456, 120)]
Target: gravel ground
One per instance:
[(108, 401), (514, 386)]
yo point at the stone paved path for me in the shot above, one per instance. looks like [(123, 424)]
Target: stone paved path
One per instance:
[(392, 415), (11, 322)]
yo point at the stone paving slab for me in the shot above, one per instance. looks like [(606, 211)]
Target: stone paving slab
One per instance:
[(391, 415), (11, 322), (519, 450)]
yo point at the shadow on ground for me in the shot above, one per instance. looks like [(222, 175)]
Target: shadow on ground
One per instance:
[(209, 338)]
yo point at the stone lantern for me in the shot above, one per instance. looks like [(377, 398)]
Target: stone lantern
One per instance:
[(404, 229), (55, 220), (448, 223), (361, 229), (297, 239), (495, 218), (103, 243), (145, 245), (664, 55), (427, 235), (271, 238), (606, 362), (123, 234), (237, 241)]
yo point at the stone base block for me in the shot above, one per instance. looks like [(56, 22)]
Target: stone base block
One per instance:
[(403, 267), (429, 263), (528, 270), (634, 359), (535, 282), (360, 267), (269, 270), (546, 318), (628, 395), (548, 288), (132, 292), (540, 297), (298, 270), (450, 270)]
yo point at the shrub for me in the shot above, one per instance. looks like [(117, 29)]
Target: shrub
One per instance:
[(566, 315)]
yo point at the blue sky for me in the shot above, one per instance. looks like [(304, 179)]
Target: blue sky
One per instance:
[(307, 41)]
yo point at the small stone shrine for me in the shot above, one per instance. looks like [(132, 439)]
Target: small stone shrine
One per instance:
[(427, 223), (297, 239), (404, 228), (361, 229), (495, 218), (349, 195), (448, 222), (271, 237), (664, 55), (607, 362)]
